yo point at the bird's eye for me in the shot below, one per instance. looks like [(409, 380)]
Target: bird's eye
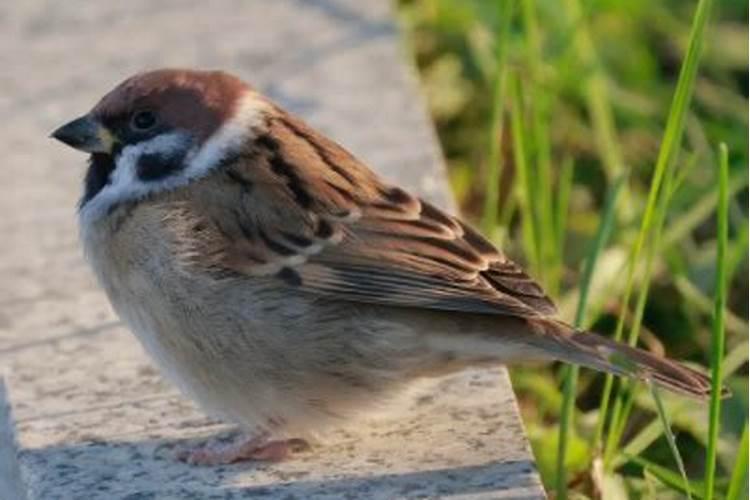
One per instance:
[(143, 120)]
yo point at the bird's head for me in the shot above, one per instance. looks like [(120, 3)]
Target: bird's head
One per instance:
[(159, 130)]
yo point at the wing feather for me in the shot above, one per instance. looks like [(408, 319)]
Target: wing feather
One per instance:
[(312, 215)]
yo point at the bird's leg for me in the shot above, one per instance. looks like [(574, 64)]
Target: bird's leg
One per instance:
[(258, 447)]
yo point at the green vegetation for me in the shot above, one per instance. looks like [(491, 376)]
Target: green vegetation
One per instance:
[(583, 135)]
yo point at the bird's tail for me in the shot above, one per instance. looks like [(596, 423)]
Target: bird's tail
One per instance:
[(603, 354)]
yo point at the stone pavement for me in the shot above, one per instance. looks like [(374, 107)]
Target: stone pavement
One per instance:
[(83, 414)]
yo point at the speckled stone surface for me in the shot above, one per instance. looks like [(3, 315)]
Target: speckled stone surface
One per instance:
[(83, 414)]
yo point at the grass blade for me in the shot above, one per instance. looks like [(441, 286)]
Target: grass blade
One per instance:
[(565, 185), (670, 439), (597, 93), (717, 338), (667, 152), (624, 401), (695, 297), (738, 483), (738, 250), (700, 211), (539, 152), (571, 373), (639, 442), (524, 190), (669, 478), (494, 159)]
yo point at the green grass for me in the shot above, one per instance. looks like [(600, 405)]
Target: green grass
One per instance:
[(669, 435), (717, 339), (738, 482), (573, 96), (654, 217), (571, 372), (495, 125), (597, 93)]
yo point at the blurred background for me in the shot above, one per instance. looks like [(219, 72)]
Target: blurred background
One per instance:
[(585, 89)]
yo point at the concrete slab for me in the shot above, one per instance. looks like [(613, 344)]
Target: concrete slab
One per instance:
[(83, 414)]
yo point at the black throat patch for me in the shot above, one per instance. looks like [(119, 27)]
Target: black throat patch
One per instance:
[(98, 175)]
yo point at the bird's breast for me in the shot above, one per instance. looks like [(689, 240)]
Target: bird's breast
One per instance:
[(132, 256)]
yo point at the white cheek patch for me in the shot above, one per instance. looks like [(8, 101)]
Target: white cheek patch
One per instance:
[(125, 177), (126, 185)]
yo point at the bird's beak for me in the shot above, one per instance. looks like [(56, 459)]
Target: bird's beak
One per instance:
[(86, 134)]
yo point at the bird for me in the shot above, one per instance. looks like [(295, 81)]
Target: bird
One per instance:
[(283, 285)]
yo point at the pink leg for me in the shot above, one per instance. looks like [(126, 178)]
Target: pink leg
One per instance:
[(256, 448)]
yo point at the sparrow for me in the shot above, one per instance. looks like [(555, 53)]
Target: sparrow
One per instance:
[(283, 285)]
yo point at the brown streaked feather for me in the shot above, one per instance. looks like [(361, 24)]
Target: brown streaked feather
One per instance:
[(314, 209)]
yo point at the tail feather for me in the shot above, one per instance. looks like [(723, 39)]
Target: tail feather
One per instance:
[(603, 354)]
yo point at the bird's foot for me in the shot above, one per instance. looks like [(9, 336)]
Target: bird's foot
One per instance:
[(255, 448)]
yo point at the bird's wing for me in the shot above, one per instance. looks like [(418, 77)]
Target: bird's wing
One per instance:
[(314, 217)]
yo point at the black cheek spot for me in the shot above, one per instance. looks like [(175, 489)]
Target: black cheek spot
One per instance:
[(155, 166)]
